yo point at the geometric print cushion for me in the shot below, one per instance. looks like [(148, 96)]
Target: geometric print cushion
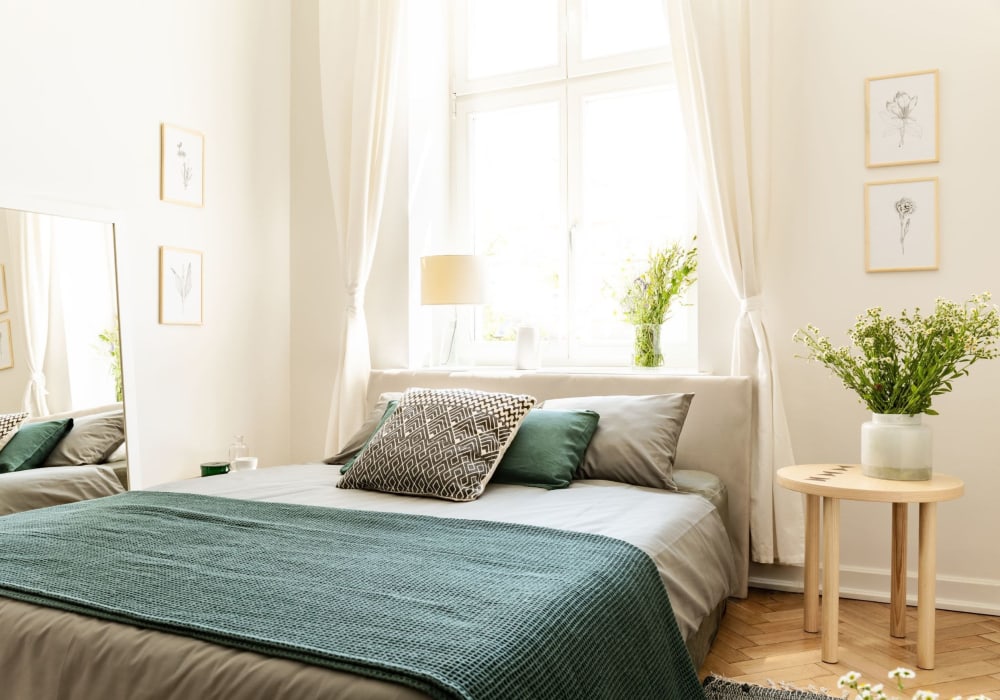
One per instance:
[(440, 442), (9, 423)]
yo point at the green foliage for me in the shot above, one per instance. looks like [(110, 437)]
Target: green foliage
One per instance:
[(903, 363), (112, 342), (671, 271)]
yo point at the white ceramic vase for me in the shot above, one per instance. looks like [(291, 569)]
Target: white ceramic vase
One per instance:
[(896, 446), (528, 351)]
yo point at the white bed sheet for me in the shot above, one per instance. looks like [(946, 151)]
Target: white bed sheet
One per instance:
[(683, 533)]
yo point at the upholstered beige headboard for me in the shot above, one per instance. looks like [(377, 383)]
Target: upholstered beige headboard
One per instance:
[(716, 435)]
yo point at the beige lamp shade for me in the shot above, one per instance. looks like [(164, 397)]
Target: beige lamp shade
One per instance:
[(453, 279)]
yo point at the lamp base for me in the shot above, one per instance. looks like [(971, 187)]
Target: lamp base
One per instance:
[(455, 346)]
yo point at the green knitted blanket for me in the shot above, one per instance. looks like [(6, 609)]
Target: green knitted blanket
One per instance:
[(453, 608)]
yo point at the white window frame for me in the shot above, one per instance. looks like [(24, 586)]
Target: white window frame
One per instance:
[(569, 84), (461, 85)]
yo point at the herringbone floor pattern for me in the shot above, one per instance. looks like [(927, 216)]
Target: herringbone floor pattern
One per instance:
[(761, 639)]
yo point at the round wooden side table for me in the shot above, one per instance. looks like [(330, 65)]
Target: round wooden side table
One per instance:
[(833, 482)]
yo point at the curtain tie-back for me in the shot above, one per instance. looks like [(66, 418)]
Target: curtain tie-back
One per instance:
[(355, 298), (754, 303), (38, 379)]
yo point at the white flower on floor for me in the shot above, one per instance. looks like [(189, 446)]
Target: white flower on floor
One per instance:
[(849, 680), (866, 691)]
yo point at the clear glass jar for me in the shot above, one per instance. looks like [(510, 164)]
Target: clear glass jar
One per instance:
[(238, 449)]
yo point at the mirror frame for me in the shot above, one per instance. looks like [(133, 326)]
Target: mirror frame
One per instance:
[(116, 219)]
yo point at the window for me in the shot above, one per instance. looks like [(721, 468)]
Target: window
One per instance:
[(568, 167)]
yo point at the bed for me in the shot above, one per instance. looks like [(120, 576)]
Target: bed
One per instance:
[(699, 553), (93, 463)]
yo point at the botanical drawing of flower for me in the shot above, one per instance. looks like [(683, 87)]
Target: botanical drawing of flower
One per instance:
[(187, 172), (905, 208), (899, 115), (183, 283)]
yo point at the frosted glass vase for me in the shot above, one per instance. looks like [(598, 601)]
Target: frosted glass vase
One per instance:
[(896, 446)]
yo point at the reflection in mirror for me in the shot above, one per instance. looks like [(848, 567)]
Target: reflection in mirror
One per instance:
[(62, 306)]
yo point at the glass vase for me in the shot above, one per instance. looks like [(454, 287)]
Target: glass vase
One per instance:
[(896, 446), (646, 350)]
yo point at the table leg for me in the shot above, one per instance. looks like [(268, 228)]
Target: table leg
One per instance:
[(897, 605), (810, 583), (925, 585), (831, 577)]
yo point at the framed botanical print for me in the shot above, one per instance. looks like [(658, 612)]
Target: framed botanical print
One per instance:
[(6, 345), (901, 225), (901, 119), (182, 166), (181, 278)]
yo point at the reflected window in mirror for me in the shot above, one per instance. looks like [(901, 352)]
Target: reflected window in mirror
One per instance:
[(61, 280)]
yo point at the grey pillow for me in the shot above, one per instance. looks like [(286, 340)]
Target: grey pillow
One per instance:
[(91, 441), (359, 438), (440, 442), (636, 439)]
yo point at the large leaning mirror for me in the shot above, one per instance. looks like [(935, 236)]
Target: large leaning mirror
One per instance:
[(60, 350)]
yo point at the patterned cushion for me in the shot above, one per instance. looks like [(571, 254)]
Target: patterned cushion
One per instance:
[(444, 443), (9, 423)]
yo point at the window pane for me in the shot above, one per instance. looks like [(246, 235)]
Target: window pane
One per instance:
[(507, 36), (634, 199), (516, 213), (610, 27)]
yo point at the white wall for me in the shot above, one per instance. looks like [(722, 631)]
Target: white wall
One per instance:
[(84, 89), (823, 51)]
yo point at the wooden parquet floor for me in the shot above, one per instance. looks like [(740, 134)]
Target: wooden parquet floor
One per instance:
[(761, 639)]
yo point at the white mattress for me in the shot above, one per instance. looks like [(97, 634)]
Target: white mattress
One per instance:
[(683, 533)]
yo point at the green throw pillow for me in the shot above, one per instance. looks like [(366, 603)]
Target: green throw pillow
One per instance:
[(32, 444), (547, 449), (389, 409)]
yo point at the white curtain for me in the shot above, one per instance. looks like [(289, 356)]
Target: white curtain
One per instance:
[(31, 239), (359, 55), (721, 56)]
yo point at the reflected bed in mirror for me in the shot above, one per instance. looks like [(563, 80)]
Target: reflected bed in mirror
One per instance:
[(66, 374)]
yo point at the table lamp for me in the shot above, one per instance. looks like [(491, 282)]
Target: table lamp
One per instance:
[(453, 280)]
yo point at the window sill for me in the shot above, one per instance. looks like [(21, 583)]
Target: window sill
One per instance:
[(510, 371)]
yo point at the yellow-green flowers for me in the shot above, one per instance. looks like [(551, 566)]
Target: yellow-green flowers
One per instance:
[(899, 364), (648, 299), (671, 271)]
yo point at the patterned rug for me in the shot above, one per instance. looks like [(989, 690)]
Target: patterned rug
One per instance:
[(719, 688)]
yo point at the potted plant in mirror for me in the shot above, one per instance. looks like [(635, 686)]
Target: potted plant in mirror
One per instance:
[(648, 299), (111, 340), (897, 366)]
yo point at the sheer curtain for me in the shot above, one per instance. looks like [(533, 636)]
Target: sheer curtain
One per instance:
[(721, 57), (359, 55), (31, 238)]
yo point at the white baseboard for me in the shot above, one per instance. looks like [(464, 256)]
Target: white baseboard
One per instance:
[(953, 592)]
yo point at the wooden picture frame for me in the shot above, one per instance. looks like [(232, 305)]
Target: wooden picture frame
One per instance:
[(902, 225), (182, 276), (182, 166), (4, 300), (902, 119), (6, 345)]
